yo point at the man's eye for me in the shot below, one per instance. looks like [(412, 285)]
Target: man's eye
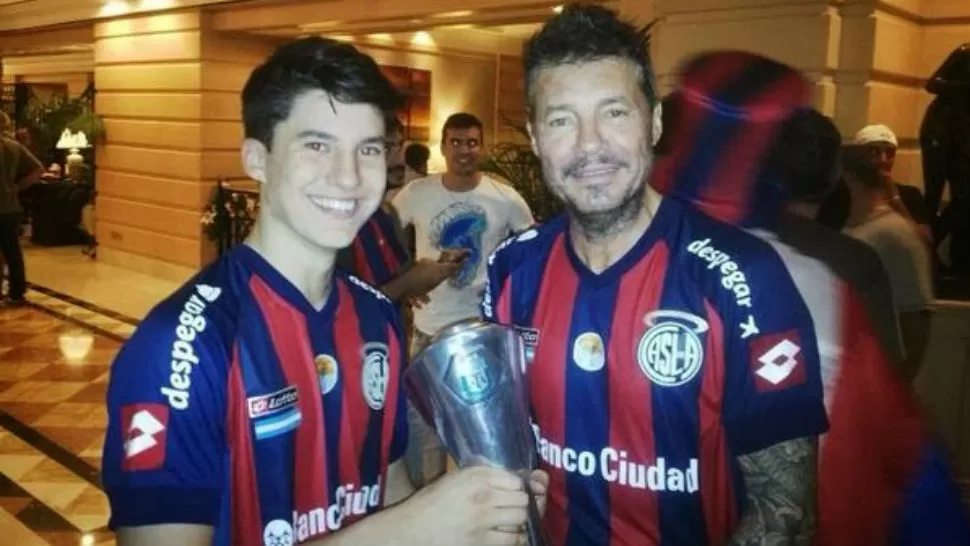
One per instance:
[(558, 122), (616, 113), (316, 146), (373, 150)]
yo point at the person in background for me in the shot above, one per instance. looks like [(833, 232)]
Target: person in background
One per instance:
[(260, 404), (416, 158), (379, 254), (883, 479), (18, 170), (462, 214), (395, 159), (881, 144), (674, 381), (808, 160), (901, 246)]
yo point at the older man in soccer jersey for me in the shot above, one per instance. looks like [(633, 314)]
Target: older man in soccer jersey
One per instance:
[(675, 380)]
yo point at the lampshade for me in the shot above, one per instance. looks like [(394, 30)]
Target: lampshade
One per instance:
[(71, 140)]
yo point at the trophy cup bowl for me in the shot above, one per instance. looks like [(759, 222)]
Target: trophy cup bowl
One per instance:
[(469, 385)]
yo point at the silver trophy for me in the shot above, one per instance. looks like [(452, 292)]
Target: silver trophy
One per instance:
[(469, 385)]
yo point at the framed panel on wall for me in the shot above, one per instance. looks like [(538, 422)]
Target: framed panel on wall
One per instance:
[(416, 86)]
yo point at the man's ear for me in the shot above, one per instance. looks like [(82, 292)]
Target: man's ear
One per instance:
[(532, 137), (658, 122), (254, 158)]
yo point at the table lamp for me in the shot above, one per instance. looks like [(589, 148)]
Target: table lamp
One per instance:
[(73, 142)]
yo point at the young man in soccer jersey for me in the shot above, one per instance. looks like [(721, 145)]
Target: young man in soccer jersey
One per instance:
[(260, 403), (674, 370)]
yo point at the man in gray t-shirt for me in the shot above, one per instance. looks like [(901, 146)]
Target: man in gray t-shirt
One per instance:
[(902, 249)]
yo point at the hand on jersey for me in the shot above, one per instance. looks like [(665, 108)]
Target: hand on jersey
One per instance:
[(453, 256), (476, 506)]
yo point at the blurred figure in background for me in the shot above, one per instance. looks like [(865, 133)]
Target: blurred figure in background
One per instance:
[(880, 142), (416, 158), (882, 480), (18, 169), (901, 247)]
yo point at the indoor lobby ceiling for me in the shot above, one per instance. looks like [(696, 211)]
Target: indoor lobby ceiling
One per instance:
[(485, 26)]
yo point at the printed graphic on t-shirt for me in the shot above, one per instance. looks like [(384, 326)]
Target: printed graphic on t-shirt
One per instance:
[(461, 226)]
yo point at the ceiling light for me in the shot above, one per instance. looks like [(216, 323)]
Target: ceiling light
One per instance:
[(423, 39), (319, 26), (113, 8), (381, 37), (454, 14), (557, 9)]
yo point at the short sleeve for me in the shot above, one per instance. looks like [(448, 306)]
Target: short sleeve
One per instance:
[(520, 217), (494, 306), (165, 448), (773, 383), (402, 205), (399, 439)]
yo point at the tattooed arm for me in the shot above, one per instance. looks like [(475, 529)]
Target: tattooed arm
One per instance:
[(781, 485)]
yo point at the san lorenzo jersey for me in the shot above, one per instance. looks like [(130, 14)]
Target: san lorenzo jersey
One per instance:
[(238, 405), (379, 252), (649, 379)]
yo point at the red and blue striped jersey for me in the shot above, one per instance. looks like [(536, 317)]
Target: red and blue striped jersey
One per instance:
[(379, 252), (649, 379), (237, 404)]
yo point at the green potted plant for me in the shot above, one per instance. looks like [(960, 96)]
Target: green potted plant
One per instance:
[(521, 168)]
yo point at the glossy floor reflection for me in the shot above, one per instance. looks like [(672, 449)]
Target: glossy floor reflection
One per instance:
[(53, 377)]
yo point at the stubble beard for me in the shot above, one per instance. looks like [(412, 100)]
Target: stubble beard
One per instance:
[(606, 224)]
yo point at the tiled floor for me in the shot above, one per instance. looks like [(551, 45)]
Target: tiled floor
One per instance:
[(52, 383), (67, 271), (54, 360)]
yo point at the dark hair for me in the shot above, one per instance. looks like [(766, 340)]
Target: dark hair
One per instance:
[(857, 161), (462, 120), (805, 157), (416, 155), (395, 126), (308, 64), (584, 33)]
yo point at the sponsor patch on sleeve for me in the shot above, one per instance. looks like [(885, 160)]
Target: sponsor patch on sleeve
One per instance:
[(146, 431), (777, 361)]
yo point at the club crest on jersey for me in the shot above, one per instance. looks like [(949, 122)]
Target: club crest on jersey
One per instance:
[(589, 352), (671, 352), (469, 375), (375, 374), (327, 372)]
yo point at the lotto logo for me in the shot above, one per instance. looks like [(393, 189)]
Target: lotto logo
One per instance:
[(145, 433), (777, 361)]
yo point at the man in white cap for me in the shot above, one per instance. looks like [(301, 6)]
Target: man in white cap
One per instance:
[(881, 143), (903, 250)]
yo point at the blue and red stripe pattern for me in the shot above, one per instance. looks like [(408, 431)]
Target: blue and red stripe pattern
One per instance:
[(294, 413), (648, 379), (882, 478), (379, 254)]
